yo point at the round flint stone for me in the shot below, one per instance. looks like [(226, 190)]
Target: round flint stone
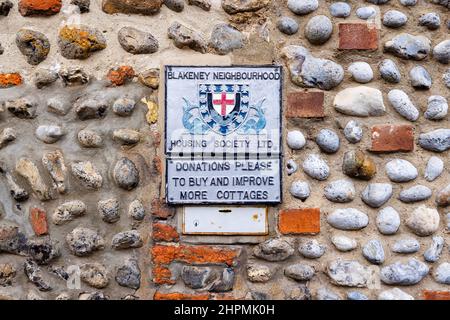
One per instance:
[(348, 219), (399, 170), (403, 105), (354, 295), (328, 141), (340, 191), (377, 194), (315, 167), (431, 20), (287, 25), (409, 273), (365, 13), (300, 190), (373, 251), (437, 140), (406, 246), (296, 140), (388, 221), (420, 78), (442, 273), (311, 249), (389, 71), (361, 71), (415, 194), (441, 52), (302, 7), (343, 243), (434, 169), (433, 253), (437, 108), (353, 131), (318, 29), (340, 9), (394, 19)]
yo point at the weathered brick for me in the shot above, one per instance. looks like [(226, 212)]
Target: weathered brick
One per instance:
[(299, 221), (392, 138), (119, 76), (305, 104), (436, 295), (161, 210), (157, 165), (165, 254), (39, 7), (180, 296), (162, 275), (164, 232), (358, 36), (38, 220), (10, 80)]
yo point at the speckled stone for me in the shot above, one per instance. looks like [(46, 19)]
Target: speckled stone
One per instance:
[(389, 71), (437, 140), (340, 191), (420, 78), (365, 13), (318, 29), (324, 293), (348, 219), (431, 20), (302, 7), (348, 273), (388, 221), (406, 246), (361, 71), (300, 190), (373, 251), (353, 131), (315, 167), (328, 141), (299, 272), (402, 104), (343, 243), (405, 274), (377, 194), (311, 249), (434, 168), (296, 140), (287, 25), (340, 9), (423, 221), (441, 52), (415, 194), (437, 108), (408, 3), (409, 46), (446, 77), (442, 273), (275, 249), (399, 170), (394, 19), (433, 253)]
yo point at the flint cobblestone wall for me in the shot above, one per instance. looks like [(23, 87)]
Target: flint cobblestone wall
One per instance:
[(366, 150)]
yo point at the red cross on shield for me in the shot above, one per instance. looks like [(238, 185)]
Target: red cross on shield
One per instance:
[(224, 103)]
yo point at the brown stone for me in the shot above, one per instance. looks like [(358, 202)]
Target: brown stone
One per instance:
[(39, 7), (38, 219), (305, 104), (358, 165), (392, 138), (299, 221), (358, 36), (145, 7)]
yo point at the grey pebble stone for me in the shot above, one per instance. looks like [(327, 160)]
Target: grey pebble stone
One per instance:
[(124, 107), (437, 108), (126, 174), (302, 7), (389, 71), (340, 191), (300, 190), (394, 19), (433, 253), (225, 282), (136, 210), (355, 295), (348, 273), (408, 3), (388, 221), (83, 241), (287, 25), (353, 131), (394, 294), (343, 243), (441, 52), (340, 9), (291, 167), (409, 46), (437, 140), (197, 277), (373, 251), (318, 29), (403, 105), (442, 273), (49, 133), (365, 13), (420, 78), (315, 167), (174, 5), (127, 240), (431, 20), (225, 38), (348, 219), (275, 249), (415, 194), (311, 249), (326, 294), (136, 41), (299, 272), (361, 71), (434, 168), (406, 246), (399, 170), (36, 276), (295, 140), (129, 274), (377, 194), (328, 141), (406, 274), (109, 210)]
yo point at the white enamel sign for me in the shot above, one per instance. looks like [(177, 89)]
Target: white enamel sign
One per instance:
[(224, 220)]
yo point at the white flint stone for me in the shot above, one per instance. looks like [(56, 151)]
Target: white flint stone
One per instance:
[(388, 221), (403, 105), (343, 243), (434, 168), (399, 170), (360, 101), (377, 194), (296, 140), (348, 219), (361, 72)]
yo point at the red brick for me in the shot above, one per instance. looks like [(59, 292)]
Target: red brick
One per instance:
[(305, 104), (157, 165), (38, 220), (162, 275), (358, 36), (436, 295), (119, 76), (392, 138), (39, 7), (161, 210), (299, 221), (180, 296), (10, 80), (164, 232)]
